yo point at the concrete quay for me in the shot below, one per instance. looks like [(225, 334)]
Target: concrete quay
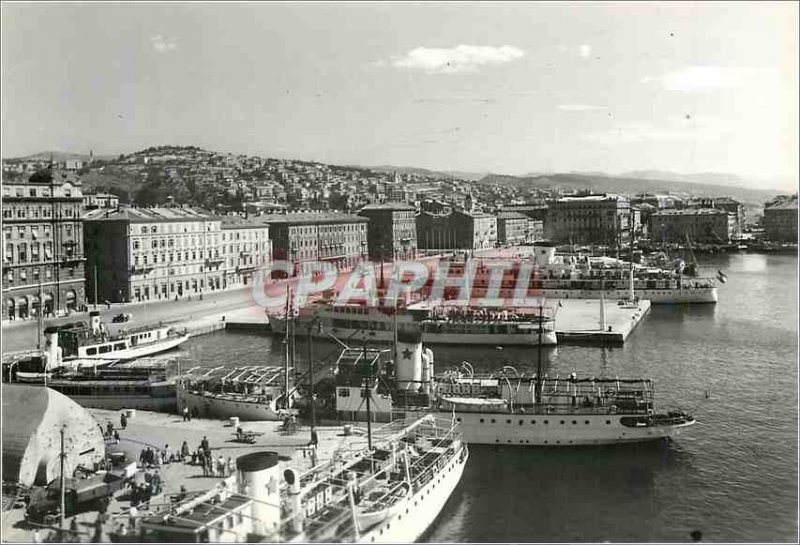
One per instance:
[(578, 321), (158, 430)]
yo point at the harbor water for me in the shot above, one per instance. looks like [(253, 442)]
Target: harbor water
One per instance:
[(732, 476)]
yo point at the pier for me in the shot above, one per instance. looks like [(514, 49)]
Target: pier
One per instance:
[(579, 321)]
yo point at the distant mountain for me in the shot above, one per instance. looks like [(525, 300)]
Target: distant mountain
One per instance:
[(714, 178), (629, 185)]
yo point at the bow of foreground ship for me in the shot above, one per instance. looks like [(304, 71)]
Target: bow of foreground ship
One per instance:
[(387, 491)]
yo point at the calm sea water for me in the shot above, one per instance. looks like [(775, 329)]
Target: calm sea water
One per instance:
[(733, 475)]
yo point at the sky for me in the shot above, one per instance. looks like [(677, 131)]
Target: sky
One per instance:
[(503, 87)]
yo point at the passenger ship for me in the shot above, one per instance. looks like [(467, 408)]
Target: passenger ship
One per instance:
[(513, 409), (389, 489), (93, 341), (441, 322), (584, 277)]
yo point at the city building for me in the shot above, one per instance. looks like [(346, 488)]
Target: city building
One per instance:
[(700, 225), (780, 219), (299, 237), (474, 230), (435, 230), (589, 219), (392, 231), (106, 201), (535, 230), (246, 246), (43, 261), (512, 228), (142, 254), (727, 204)]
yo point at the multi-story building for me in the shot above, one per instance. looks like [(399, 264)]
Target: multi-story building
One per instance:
[(43, 262), (535, 230), (727, 204), (701, 225), (92, 201), (392, 231), (474, 230), (246, 246), (141, 254), (435, 231), (512, 228), (590, 219), (780, 219), (340, 239)]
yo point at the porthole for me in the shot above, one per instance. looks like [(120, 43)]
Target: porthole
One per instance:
[(521, 422), (493, 420), (574, 422), (562, 422), (546, 422), (458, 419), (482, 420), (587, 422), (608, 422), (508, 421), (497, 440), (533, 422)]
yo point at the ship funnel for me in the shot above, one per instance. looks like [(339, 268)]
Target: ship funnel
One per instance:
[(408, 360), (427, 369), (259, 479), (94, 321)]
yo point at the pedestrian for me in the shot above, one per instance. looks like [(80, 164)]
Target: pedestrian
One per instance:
[(185, 413), (109, 429), (210, 465), (230, 465), (116, 436), (157, 483), (123, 420), (221, 466), (184, 451)]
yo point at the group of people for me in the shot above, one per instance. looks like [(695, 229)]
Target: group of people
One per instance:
[(150, 457)]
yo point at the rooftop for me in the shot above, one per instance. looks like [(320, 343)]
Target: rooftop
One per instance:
[(311, 218), (148, 215), (388, 206), (511, 216), (786, 203), (691, 212)]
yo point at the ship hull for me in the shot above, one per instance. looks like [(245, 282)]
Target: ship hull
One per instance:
[(423, 507), (502, 428), (222, 406), (387, 336), (655, 296), (141, 351)]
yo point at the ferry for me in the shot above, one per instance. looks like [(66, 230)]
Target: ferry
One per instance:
[(92, 383), (389, 490), (441, 322), (511, 408), (248, 393), (584, 277), (86, 342)]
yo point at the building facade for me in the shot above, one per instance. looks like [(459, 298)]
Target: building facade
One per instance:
[(512, 228), (392, 231), (339, 239), (474, 230), (780, 219), (143, 254), (43, 259), (246, 247), (535, 230), (435, 230), (591, 219), (701, 225), (107, 201), (727, 204)]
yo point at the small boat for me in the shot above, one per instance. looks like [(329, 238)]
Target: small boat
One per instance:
[(93, 341), (381, 503), (249, 393)]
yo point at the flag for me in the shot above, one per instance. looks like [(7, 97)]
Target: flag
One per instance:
[(722, 277)]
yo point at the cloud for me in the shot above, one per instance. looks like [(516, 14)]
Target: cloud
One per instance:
[(702, 79), (462, 58), (584, 51), (162, 44), (580, 107)]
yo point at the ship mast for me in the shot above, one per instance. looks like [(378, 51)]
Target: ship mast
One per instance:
[(286, 351), (539, 359)]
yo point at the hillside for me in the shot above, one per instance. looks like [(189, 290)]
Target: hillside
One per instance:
[(613, 184)]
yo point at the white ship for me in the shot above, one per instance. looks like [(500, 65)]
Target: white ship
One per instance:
[(94, 342), (388, 491), (441, 322), (249, 393), (583, 277), (509, 408)]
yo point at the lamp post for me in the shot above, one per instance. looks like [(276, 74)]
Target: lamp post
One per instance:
[(311, 324)]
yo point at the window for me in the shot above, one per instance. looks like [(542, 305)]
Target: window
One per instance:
[(144, 230), (91, 351), (10, 276), (136, 245), (22, 252), (48, 273), (105, 349), (119, 346), (36, 273)]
